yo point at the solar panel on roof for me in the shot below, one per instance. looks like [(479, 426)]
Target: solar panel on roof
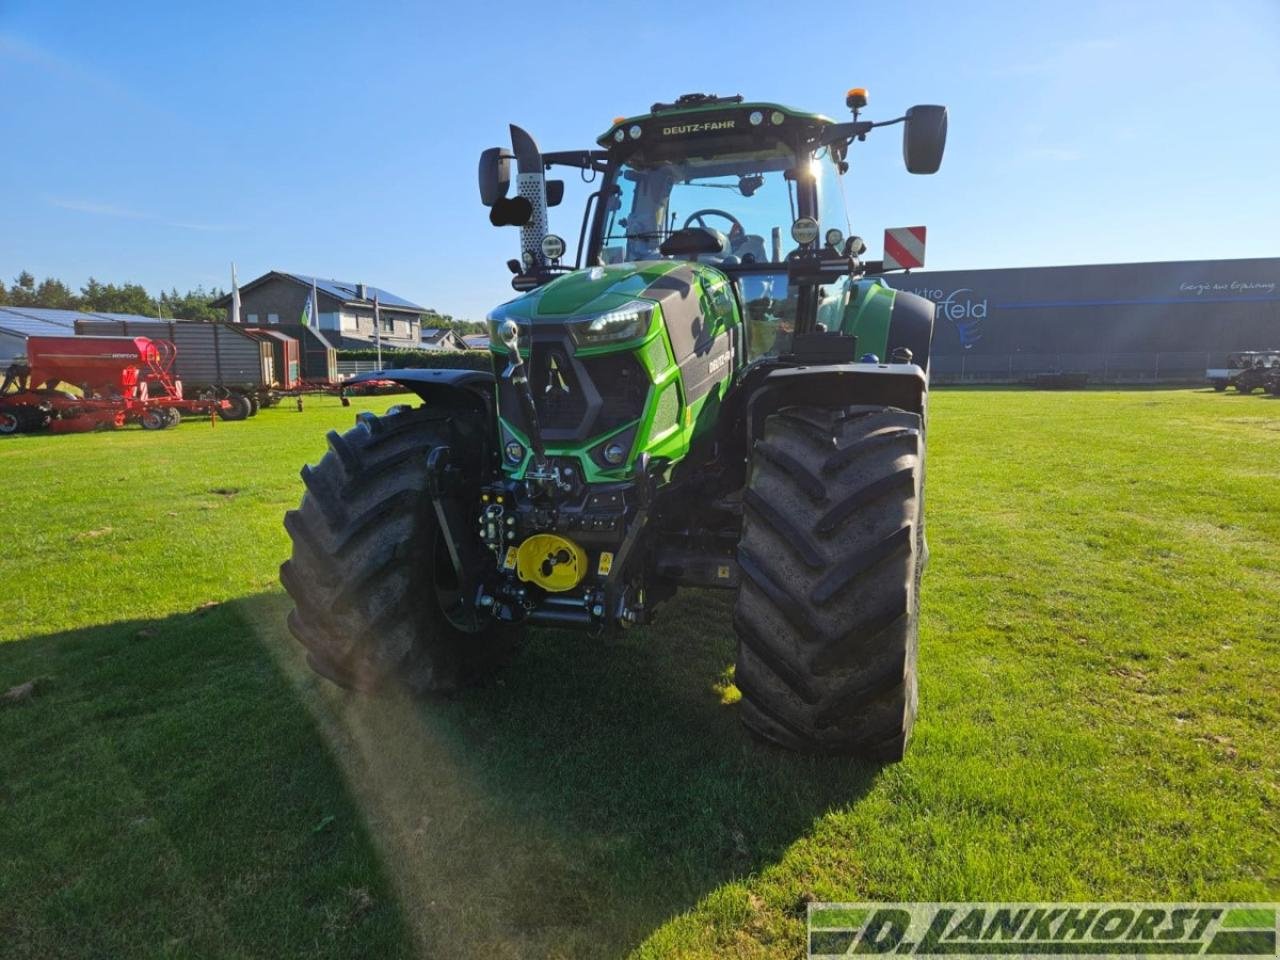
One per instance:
[(63, 318), (131, 317), (32, 326), (48, 322), (347, 291)]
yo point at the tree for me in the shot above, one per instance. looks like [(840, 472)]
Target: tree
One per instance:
[(192, 305), (108, 298), (23, 291), (55, 294), (443, 321)]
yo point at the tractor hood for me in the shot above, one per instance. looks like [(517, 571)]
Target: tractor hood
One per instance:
[(596, 290)]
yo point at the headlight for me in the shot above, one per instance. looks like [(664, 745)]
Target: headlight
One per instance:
[(625, 323)]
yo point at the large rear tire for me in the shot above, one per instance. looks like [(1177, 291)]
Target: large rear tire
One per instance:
[(831, 554), (376, 599)]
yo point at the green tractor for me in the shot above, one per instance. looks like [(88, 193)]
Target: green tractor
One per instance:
[(717, 392)]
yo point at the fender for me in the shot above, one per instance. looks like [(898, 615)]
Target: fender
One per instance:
[(884, 319), (902, 385), (911, 326), (446, 387)]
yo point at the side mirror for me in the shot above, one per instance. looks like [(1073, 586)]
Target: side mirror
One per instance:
[(555, 192), (924, 137), (495, 175)]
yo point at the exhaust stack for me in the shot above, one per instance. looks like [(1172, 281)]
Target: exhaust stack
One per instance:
[(531, 184)]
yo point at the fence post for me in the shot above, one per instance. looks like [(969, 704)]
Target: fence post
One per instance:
[(1157, 366)]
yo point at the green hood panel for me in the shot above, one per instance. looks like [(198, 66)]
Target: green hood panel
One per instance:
[(599, 289)]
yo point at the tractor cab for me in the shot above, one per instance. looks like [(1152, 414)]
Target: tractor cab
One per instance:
[(751, 189), (718, 237)]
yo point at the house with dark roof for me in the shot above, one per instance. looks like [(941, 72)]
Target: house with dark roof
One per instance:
[(441, 338), (345, 310)]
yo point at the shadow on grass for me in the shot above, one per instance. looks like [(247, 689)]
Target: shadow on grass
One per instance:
[(590, 793)]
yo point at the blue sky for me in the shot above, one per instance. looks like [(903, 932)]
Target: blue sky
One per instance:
[(156, 142)]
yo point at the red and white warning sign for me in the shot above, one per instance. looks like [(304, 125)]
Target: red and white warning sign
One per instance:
[(903, 248)]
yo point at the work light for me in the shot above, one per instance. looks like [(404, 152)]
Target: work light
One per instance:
[(552, 247), (804, 231)]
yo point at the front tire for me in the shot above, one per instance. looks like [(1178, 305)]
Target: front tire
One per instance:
[(376, 600), (831, 555)]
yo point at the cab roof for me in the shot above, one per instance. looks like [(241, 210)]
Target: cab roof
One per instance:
[(695, 113)]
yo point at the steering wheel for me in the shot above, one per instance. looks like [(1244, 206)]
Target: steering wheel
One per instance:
[(736, 230)]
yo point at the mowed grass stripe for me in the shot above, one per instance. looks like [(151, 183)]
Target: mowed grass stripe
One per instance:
[(1097, 714)]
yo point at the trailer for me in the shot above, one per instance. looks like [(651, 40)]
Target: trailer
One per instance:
[(121, 380), (215, 361), (317, 356), (285, 356)]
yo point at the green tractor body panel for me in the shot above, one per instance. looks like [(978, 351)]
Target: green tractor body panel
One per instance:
[(868, 315), (694, 315)]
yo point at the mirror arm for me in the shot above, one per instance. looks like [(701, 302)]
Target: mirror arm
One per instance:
[(582, 159), (848, 132)]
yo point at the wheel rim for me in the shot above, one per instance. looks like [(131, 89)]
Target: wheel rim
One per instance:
[(8, 423), (461, 615)]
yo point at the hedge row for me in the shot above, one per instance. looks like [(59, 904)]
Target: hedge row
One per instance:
[(406, 359)]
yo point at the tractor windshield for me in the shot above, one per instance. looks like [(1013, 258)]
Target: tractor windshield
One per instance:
[(750, 199)]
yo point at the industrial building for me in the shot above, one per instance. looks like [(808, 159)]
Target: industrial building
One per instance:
[(1120, 322), (345, 311)]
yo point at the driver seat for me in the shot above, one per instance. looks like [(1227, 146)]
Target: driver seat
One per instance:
[(751, 245)]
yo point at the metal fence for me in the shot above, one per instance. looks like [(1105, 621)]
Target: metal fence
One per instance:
[(349, 368), (1187, 367)]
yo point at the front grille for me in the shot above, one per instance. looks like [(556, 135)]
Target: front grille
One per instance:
[(558, 392), (579, 398), (623, 386)]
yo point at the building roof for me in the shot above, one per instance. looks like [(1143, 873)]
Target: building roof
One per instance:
[(339, 290), (47, 322), (435, 333)]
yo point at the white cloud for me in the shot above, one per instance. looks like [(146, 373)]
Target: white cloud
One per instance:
[(125, 213)]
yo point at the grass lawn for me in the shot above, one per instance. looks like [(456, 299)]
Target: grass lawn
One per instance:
[(1099, 714)]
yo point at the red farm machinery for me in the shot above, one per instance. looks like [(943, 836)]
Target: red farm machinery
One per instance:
[(120, 380)]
